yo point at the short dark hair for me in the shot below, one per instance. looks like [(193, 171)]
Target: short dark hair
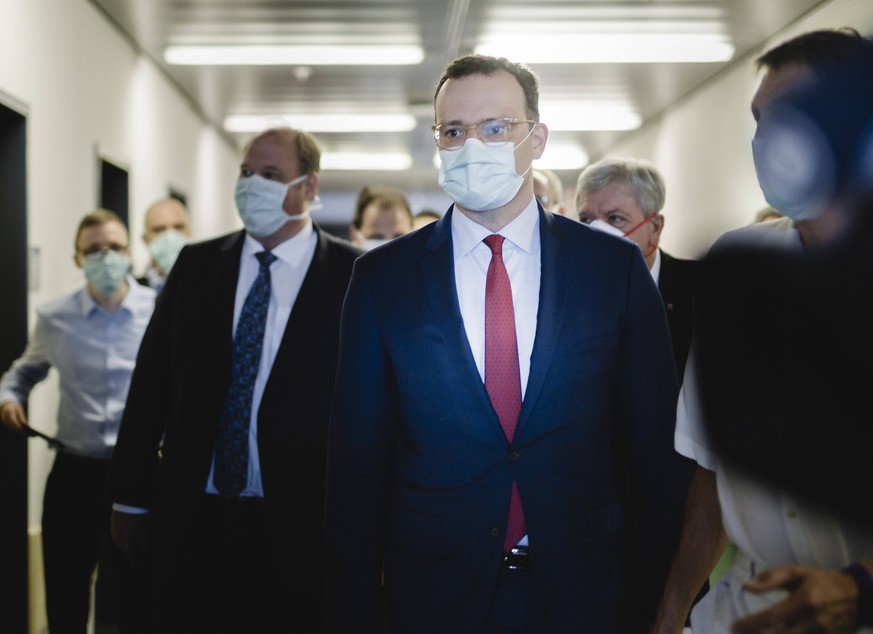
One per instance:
[(96, 218), (385, 197), (487, 65), (308, 149), (824, 48)]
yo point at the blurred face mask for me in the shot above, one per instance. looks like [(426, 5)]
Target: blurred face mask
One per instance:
[(259, 202), (372, 243), (480, 176), (106, 270), (793, 163), (165, 249)]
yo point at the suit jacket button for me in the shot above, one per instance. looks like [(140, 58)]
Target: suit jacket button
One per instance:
[(495, 532), (514, 456)]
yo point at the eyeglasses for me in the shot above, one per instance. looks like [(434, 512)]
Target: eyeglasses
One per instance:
[(95, 249), (451, 136)]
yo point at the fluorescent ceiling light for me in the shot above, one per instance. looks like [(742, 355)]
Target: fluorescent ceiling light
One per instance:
[(383, 161), (609, 48), (311, 122), (314, 55), (563, 156), (589, 117)]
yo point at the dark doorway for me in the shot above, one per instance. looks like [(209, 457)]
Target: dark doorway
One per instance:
[(114, 191), (13, 325)]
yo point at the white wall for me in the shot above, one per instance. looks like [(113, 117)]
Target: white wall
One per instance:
[(86, 92), (703, 145)]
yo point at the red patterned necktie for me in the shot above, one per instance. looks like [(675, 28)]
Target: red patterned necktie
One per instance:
[(502, 378)]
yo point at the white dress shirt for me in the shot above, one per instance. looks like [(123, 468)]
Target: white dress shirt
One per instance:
[(286, 275), (521, 255)]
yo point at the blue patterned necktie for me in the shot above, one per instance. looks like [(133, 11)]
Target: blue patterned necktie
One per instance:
[(232, 444)]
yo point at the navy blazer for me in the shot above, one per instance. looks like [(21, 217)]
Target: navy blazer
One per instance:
[(420, 472)]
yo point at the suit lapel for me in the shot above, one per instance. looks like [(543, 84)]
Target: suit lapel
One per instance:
[(221, 284), (550, 314), (438, 273), (308, 307)]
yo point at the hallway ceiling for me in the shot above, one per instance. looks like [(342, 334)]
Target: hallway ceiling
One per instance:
[(443, 29)]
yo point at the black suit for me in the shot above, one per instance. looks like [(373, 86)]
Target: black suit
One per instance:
[(175, 400), (676, 282)]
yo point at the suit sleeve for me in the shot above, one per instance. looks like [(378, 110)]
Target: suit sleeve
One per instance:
[(363, 434), (134, 464), (658, 476)]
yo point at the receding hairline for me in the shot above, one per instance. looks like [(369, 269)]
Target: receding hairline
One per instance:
[(166, 202)]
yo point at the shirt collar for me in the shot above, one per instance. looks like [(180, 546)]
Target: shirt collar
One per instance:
[(522, 231), (656, 267), (291, 251)]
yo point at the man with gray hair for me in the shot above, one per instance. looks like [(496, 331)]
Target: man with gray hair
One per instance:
[(625, 196)]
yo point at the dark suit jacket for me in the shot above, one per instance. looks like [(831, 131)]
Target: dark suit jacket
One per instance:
[(677, 281), (419, 471), (178, 390)]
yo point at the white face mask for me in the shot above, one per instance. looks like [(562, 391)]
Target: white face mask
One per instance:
[(480, 176), (372, 243), (605, 227), (165, 249), (106, 270), (259, 201)]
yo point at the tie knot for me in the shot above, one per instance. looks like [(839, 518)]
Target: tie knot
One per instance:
[(495, 243), (266, 258)]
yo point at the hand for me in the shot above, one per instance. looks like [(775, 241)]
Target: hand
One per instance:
[(130, 534), (12, 415), (818, 601)]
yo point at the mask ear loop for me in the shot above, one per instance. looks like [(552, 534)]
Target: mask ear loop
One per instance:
[(529, 167), (637, 226)]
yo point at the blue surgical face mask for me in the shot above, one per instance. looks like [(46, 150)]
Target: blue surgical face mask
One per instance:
[(480, 176), (260, 203), (106, 270), (794, 164), (165, 249)]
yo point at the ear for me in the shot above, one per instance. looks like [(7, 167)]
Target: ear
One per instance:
[(657, 224), (77, 258), (355, 236), (311, 184), (539, 136)]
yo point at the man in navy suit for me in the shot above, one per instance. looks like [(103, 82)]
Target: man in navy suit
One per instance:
[(440, 517), (244, 558)]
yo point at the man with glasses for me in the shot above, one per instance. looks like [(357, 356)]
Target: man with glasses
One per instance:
[(500, 457), (91, 338)]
